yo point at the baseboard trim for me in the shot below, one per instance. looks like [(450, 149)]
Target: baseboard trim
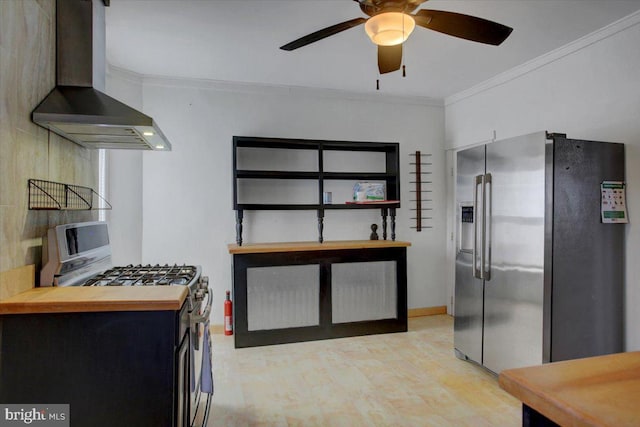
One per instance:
[(216, 329), (427, 311), (412, 312)]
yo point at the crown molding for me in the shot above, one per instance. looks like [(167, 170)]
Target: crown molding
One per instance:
[(548, 58), (124, 74), (262, 88)]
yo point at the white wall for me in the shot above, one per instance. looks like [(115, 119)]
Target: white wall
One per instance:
[(124, 179), (186, 212), (588, 90)]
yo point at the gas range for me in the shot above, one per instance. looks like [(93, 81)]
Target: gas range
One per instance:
[(160, 275), (80, 255)]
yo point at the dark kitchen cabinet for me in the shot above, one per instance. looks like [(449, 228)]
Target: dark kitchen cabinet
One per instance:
[(294, 174), (126, 368), (291, 292)]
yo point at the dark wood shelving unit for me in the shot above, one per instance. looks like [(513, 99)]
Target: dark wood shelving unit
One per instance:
[(391, 177)]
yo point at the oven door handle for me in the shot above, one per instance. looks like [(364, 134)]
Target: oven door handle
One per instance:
[(202, 318)]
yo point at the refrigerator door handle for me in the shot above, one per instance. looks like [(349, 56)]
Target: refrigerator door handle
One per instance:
[(478, 183), (487, 219)]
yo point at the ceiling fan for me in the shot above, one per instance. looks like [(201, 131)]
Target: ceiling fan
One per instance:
[(391, 22)]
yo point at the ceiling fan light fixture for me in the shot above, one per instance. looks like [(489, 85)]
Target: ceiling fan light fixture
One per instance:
[(389, 28)]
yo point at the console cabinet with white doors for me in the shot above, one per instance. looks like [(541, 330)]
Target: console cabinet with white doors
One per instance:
[(302, 291)]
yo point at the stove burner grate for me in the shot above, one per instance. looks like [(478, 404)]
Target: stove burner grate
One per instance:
[(145, 275)]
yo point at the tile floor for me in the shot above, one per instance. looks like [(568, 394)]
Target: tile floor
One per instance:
[(404, 379)]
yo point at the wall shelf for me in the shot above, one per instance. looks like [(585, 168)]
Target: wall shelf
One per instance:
[(49, 195), (313, 151), (273, 207), (359, 176), (256, 174)]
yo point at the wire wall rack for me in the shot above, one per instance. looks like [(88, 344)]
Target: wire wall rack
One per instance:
[(422, 190), (49, 195)]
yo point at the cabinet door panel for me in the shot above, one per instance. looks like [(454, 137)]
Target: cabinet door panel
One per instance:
[(363, 291), (283, 297)]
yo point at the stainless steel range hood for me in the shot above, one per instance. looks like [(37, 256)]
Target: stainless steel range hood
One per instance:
[(74, 109)]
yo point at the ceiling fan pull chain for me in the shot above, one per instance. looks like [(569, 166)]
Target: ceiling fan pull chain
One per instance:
[(404, 71), (377, 84)]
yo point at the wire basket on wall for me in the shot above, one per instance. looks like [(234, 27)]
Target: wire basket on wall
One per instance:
[(49, 195)]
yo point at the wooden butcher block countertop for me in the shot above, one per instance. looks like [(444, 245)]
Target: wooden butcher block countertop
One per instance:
[(75, 299), (255, 248), (596, 391)]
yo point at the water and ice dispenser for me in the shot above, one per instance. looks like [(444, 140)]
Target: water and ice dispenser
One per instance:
[(465, 228)]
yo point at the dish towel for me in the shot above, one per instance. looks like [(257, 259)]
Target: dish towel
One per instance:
[(206, 377), (192, 363)]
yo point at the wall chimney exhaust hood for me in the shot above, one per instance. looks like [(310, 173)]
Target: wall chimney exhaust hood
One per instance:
[(74, 109)]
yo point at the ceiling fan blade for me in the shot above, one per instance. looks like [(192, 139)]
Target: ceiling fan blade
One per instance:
[(321, 34), (389, 58), (463, 26)]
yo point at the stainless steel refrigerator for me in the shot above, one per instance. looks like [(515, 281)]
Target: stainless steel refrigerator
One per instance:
[(539, 277)]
